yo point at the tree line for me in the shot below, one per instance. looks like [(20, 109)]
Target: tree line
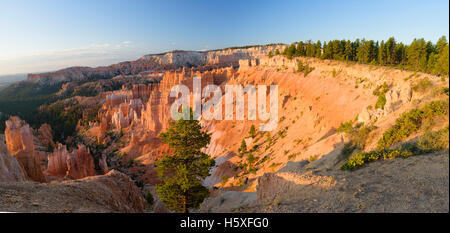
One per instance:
[(420, 55)]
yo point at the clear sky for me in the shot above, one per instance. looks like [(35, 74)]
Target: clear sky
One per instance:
[(44, 35)]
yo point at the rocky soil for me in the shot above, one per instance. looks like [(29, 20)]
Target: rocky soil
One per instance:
[(113, 192), (413, 185)]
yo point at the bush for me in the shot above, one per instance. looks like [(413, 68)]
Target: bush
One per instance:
[(149, 199), (381, 91), (224, 180), (359, 135), (282, 133), (422, 85), (381, 101), (361, 158), (252, 131), (410, 122), (292, 156), (300, 67), (434, 141), (347, 150), (243, 149), (308, 70), (345, 127), (427, 143), (313, 158), (251, 159), (445, 90)]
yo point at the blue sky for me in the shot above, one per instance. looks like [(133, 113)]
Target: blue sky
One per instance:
[(44, 35)]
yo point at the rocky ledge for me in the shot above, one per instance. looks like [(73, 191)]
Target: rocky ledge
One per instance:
[(112, 192)]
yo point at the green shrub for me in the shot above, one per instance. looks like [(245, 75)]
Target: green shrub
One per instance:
[(410, 122), (345, 127), (269, 139), (292, 156), (434, 141), (282, 133), (308, 70), (251, 159), (422, 85), (361, 158), (243, 149), (313, 158), (149, 199), (347, 150), (445, 91), (252, 131), (427, 143), (381, 101), (224, 180), (359, 135), (300, 67), (380, 91)]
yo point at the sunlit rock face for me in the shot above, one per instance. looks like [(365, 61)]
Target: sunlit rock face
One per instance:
[(44, 135), (142, 112), (10, 169), (19, 140), (80, 164), (73, 165), (57, 161), (220, 58), (59, 164)]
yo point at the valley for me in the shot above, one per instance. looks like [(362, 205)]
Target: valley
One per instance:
[(80, 132)]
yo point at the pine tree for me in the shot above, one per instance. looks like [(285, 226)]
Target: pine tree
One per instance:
[(277, 52), (382, 54), (300, 66), (417, 55), (243, 149), (252, 131), (269, 139), (251, 159), (390, 50), (441, 66), (182, 172), (289, 51), (348, 51), (318, 49)]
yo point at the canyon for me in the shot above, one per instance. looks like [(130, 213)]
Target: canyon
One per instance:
[(297, 166)]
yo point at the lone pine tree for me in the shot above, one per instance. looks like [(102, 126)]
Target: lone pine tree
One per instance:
[(183, 171)]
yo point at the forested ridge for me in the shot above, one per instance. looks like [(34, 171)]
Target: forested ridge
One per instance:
[(420, 55)]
